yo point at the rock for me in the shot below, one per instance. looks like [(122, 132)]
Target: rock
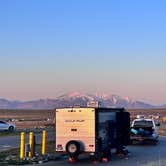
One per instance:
[(10, 157), (40, 162)]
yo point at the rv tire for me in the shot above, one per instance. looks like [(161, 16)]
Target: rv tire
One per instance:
[(73, 148)]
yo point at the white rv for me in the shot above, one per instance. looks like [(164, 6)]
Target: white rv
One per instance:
[(91, 130)]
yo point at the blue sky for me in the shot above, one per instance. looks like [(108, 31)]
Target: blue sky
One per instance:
[(56, 46)]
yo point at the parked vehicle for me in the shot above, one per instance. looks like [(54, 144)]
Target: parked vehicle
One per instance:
[(5, 126), (97, 131), (144, 130)]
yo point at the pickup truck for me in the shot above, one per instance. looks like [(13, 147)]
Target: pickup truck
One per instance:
[(144, 130)]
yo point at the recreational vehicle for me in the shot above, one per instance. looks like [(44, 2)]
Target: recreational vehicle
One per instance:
[(96, 131)]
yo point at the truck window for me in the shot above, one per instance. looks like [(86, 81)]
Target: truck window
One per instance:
[(143, 123)]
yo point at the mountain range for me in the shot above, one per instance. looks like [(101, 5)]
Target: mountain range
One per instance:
[(75, 99)]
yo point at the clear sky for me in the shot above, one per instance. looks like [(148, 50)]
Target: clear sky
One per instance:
[(50, 47)]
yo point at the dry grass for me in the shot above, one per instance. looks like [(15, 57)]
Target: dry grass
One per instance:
[(38, 118), (50, 149), (29, 118), (26, 114)]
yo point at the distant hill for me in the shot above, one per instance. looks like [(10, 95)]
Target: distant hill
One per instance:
[(73, 99)]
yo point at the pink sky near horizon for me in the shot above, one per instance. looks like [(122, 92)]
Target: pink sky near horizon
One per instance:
[(31, 85)]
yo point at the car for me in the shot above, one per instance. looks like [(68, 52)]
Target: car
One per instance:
[(5, 126), (144, 130)]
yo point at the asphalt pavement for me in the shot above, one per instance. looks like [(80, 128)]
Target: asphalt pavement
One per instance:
[(141, 155)]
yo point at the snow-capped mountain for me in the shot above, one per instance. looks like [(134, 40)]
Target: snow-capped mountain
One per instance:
[(107, 100), (76, 99)]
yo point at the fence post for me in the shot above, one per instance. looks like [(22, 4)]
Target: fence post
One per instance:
[(22, 145), (44, 142), (31, 144)]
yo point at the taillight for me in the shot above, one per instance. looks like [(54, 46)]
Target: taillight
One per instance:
[(59, 147)]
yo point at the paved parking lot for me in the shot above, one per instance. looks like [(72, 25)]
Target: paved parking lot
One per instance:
[(141, 155)]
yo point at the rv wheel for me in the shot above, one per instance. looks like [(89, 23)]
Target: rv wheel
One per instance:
[(73, 148)]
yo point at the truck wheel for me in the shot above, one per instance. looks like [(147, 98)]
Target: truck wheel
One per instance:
[(73, 149), (131, 142)]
